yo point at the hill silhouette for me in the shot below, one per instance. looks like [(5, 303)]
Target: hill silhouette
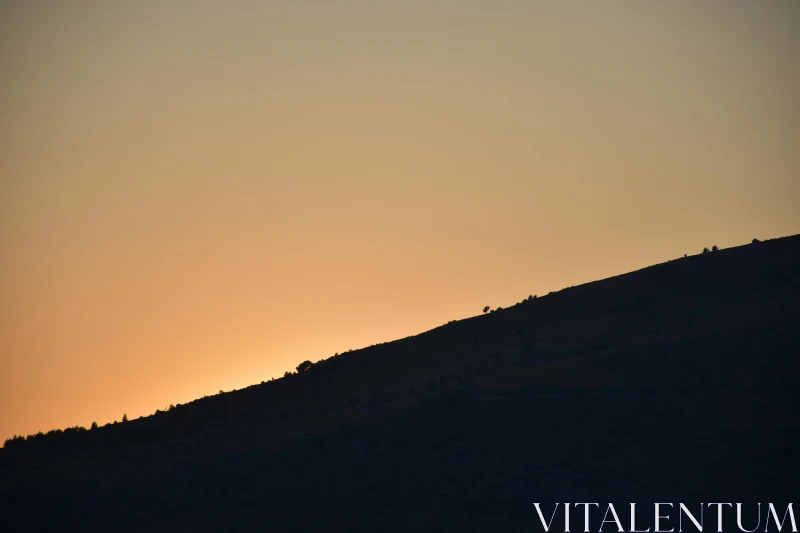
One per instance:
[(674, 383)]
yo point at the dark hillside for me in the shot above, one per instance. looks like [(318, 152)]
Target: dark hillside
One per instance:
[(674, 383)]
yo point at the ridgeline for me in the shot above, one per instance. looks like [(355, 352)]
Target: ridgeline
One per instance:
[(677, 382)]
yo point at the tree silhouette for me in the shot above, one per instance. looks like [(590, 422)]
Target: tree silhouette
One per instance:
[(125, 418), (705, 250), (486, 309), (305, 366), (714, 248)]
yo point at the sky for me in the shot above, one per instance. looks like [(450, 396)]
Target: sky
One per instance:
[(198, 195)]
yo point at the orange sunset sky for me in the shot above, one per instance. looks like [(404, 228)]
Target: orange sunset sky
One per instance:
[(199, 195)]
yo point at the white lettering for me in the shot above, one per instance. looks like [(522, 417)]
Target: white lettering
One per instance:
[(698, 525), (541, 516), (659, 517), (779, 525)]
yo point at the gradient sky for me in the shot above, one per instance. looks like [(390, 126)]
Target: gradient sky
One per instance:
[(198, 195)]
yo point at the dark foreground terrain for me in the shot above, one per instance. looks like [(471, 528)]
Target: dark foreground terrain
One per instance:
[(675, 383)]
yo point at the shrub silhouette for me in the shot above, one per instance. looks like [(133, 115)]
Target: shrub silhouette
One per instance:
[(94, 425), (305, 366), (14, 442), (714, 248), (486, 309), (125, 418), (705, 250), (755, 241)]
